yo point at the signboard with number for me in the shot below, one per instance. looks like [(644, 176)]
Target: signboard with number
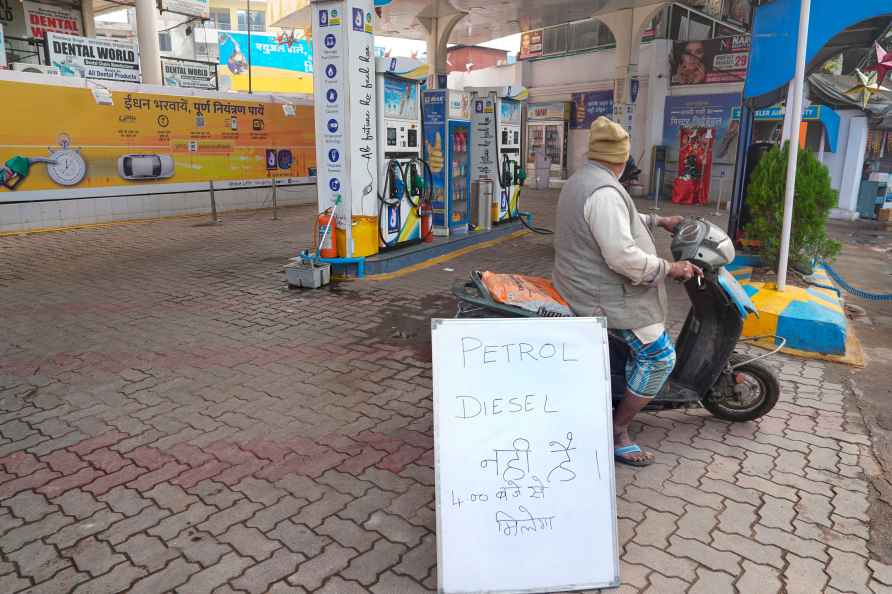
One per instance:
[(722, 60), (524, 468)]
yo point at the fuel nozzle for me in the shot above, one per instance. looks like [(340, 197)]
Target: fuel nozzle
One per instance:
[(16, 169), (521, 176)]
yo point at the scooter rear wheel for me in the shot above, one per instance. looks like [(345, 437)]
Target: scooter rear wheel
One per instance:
[(745, 394)]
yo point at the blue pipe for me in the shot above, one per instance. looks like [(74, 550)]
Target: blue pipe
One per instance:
[(359, 262)]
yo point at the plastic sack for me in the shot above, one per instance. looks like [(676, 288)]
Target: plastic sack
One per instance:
[(531, 293)]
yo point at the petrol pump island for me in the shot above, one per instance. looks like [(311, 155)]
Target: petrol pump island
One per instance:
[(404, 173)]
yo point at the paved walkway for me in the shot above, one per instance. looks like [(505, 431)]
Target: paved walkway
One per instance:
[(172, 418)]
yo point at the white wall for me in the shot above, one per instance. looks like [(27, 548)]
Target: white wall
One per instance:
[(66, 213), (496, 76)]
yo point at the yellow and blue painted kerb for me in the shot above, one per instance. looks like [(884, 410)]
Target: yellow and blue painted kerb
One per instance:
[(811, 319)]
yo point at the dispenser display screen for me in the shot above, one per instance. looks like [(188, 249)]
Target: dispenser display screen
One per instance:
[(400, 98), (391, 137)]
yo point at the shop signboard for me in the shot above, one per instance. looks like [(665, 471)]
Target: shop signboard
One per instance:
[(42, 18), (194, 8), (188, 74), (589, 106), (96, 58), (721, 60), (147, 142), (531, 44), (555, 110)]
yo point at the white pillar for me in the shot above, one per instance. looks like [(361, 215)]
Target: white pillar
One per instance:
[(147, 35), (853, 164), (439, 21), (794, 115), (88, 18)]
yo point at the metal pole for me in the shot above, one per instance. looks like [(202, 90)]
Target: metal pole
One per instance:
[(214, 217), (658, 187), (718, 199), (248, 19), (795, 112), (275, 203)]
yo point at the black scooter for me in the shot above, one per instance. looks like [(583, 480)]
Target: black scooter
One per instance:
[(729, 385)]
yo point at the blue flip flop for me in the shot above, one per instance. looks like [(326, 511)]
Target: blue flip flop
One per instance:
[(619, 454)]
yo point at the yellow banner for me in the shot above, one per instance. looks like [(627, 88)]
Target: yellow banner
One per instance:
[(71, 142)]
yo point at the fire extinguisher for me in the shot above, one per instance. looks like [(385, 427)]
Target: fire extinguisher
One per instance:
[(326, 227), (427, 221)]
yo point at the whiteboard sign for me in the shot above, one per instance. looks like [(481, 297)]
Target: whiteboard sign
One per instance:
[(524, 468)]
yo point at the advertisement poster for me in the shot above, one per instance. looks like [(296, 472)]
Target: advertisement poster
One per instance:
[(434, 110), (196, 8), (2, 49), (691, 186), (721, 60), (510, 112), (400, 98), (362, 126), (555, 110), (738, 10), (42, 18), (88, 57), (188, 74), (531, 44), (589, 106), (715, 112), (275, 67), (330, 115), (145, 139)]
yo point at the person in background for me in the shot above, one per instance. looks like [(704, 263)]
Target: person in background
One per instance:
[(606, 264)]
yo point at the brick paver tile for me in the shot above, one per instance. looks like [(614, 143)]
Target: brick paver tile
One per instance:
[(22, 535), (348, 534), (199, 547), (175, 574), (697, 523), (366, 568), (124, 529), (759, 578), (777, 513), (61, 583), (13, 583), (147, 552), (661, 561), (258, 578), (390, 583), (338, 585), (716, 582), (660, 584), (29, 506), (220, 522), (881, 572), (792, 543), (267, 518), (119, 579), (249, 542), (299, 538), (417, 563), (705, 555), (310, 574), (804, 575), (655, 529), (207, 580), (848, 572), (171, 526), (171, 497), (125, 501), (38, 561), (77, 503), (93, 556), (395, 528)]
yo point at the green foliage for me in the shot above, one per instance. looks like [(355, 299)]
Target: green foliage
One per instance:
[(814, 199)]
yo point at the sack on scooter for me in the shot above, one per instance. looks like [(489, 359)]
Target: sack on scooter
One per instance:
[(531, 293)]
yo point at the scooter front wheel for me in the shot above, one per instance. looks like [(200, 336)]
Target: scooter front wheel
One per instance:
[(744, 394)]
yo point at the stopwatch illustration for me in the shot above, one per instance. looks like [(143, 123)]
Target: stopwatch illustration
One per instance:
[(66, 166)]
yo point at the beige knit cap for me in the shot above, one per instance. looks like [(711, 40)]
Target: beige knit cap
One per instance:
[(608, 142)]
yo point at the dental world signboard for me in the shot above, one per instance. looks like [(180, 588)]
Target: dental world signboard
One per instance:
[(98, 59)]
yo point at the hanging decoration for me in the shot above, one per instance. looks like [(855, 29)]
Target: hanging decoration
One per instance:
[(883, 65), (867, 87)]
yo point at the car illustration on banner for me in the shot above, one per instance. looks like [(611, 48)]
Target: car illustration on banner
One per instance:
[(141, 167)]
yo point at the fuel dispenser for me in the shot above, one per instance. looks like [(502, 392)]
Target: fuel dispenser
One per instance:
[(497, 156), (404, 178)]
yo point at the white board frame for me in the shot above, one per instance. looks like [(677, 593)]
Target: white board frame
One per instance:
[(594, 323)]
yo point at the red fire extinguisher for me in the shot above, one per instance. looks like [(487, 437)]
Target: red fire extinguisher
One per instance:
[(427, 221), (326, 227)]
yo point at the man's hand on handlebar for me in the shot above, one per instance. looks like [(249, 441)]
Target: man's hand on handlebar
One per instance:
[(669, 223), (683, 271)]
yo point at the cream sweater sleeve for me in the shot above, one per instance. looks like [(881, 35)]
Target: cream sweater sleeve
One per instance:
[(608, 217)]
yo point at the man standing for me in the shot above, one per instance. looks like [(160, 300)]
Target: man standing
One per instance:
[(606, 264)]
